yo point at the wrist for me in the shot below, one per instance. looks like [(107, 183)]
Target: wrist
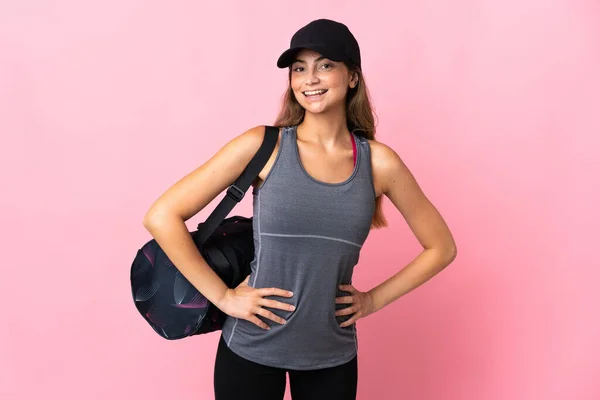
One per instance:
[(222, 301), (373, 302)]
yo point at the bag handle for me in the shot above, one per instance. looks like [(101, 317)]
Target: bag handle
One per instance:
[(235, 192)]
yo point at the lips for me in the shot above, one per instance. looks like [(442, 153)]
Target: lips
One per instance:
[(314, 93)]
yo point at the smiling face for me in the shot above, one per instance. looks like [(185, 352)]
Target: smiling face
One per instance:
[(319, 84)]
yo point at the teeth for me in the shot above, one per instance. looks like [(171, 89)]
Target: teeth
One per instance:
[(314, 92)]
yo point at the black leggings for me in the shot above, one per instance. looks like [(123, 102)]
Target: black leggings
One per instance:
[(239, 379)]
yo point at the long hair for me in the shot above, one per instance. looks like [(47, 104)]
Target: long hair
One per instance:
[(360, 119)]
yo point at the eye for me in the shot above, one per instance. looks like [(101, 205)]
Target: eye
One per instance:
[(326, 66), (297, 69)]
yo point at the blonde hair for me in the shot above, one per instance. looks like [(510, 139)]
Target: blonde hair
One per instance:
[(360, 119)]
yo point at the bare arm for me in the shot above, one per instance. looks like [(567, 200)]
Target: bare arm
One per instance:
[(428, 226), (165, 219)]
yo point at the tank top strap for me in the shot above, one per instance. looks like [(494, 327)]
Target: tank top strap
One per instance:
[(364, 159), (287, 152)]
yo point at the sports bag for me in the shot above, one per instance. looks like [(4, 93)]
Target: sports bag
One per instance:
[(164, 297)]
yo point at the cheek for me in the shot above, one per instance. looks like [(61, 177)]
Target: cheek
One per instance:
[(339, 83), (340, 88), (297, 92), (295, 83)]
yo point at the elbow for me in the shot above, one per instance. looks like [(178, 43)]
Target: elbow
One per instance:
[(154, 218), (148, 219), (148, 223), (445, 253), (450, 253)]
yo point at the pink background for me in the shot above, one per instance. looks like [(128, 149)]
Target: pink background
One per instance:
[(494, 105)]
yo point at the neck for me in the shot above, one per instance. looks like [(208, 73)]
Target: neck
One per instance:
[(324, 128)]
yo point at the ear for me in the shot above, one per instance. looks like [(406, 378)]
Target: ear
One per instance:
[(353, 80)]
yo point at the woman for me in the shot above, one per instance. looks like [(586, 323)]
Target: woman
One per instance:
[(315, 202)]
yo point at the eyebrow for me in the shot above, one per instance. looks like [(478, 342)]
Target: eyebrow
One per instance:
[(304, 62)]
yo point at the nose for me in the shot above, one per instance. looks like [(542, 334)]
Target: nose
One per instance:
[(311, 78)]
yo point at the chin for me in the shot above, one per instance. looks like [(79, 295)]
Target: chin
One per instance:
[(315, 108), (318, 108)]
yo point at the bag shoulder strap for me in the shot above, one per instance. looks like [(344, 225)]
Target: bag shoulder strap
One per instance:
[(235, 192)]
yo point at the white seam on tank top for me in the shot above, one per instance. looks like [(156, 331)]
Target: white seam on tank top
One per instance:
[(257, 264), (232, 331), (312, 236), (259, 242)]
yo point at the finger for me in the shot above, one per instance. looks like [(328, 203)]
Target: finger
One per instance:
[(346, 311), (256, 321), (268, 314), (344, 300), (274, 292), (277, 304), (348, 288), (349, 322)]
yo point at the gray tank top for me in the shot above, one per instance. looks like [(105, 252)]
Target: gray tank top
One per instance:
[(307, 235)]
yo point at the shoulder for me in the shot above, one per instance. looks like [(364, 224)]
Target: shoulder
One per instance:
[(384, 158), (252, 138), (387, 165), (247, 143)]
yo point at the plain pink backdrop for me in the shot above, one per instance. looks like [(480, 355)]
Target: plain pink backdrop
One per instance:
[(494, 105)]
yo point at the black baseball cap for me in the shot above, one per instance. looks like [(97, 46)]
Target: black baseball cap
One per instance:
[(330, 38)]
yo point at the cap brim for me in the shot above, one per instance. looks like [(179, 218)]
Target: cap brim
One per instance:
[(288, 57)]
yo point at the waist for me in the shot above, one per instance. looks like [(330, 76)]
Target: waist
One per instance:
[(304, 342)]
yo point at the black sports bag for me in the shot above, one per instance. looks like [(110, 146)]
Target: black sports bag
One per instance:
[(164, 297)]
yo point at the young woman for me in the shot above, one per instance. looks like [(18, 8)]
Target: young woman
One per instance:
[(315, 202)]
